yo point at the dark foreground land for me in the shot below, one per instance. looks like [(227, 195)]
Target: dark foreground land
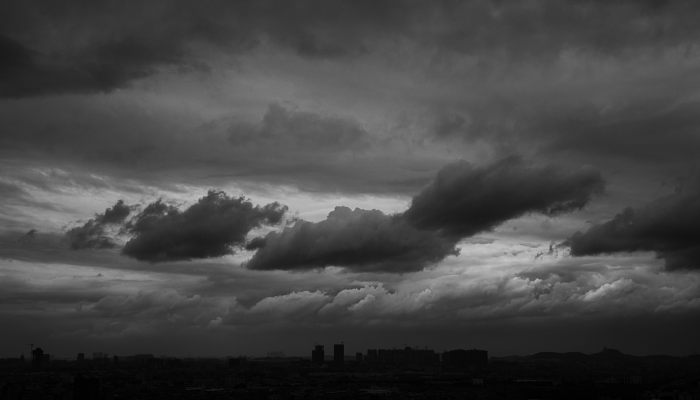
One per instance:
[(605, 375)]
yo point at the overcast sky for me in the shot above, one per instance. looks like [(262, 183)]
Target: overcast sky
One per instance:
[(238, 177)]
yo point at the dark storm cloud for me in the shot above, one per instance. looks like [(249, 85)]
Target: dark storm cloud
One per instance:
[(95, 234), (208, 228), (26, 72), (463, 200), (361, 240), (668, 226), (78, 47), (103, 45)]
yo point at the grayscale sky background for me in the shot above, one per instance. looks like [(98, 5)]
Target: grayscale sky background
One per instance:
[(237, 177)]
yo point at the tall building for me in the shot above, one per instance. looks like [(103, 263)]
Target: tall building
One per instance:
[(318, 354), (339, 353), (37, 357)]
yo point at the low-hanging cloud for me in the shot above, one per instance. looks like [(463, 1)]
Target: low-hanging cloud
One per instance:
[(361, 240), (461, 201), (209, 228), (667, 226)]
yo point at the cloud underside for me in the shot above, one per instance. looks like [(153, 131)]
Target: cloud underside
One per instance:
[(667, 226), (462, 200)]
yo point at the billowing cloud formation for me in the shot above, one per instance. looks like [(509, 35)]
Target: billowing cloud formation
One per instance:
[(463, 200), (94, 233), (357, 239), (209, 228), (669, 226)]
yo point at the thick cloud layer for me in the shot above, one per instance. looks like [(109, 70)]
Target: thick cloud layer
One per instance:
[(598, 80), (209, 228), (670, 226), (106, 45), (279, 144), (463, 200), (86, 41), (94, 233), (357, 239)]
